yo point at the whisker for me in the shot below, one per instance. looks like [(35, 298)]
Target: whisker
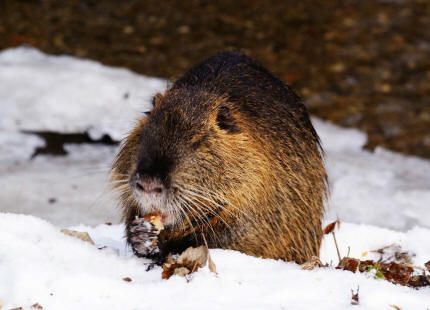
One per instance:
[(202, 217), (212, 210), (205, 191)]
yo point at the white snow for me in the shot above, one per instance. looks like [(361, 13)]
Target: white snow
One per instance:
[(382, 188), (39, 264), (73, 95), (65, 94)]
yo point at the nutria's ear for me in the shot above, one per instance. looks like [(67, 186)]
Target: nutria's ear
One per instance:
[(225, 120), (157, 99)]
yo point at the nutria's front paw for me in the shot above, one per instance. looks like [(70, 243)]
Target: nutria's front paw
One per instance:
[(143, 238)]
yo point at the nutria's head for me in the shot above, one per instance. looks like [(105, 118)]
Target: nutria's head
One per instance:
[(188, 158)]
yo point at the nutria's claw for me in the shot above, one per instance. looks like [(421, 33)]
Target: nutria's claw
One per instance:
[(143, 238)]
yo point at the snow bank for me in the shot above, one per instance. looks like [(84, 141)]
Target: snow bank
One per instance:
[(60, 272), (66, 94), (382, 188)]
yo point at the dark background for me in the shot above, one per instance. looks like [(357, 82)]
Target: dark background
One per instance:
[(363, 64)]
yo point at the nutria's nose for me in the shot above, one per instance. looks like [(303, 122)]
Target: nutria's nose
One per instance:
[(149, 186)]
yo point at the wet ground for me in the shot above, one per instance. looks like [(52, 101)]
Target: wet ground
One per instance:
[(363, 63)]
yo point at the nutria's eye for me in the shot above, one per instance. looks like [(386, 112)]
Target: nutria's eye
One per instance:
[(224, 119)]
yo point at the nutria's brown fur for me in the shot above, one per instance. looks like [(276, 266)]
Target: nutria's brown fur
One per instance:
[(235, 160)]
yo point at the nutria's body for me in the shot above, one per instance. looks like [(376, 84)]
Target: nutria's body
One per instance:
[(228, 154)]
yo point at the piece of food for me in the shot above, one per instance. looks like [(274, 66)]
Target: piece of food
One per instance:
[(155, 219)]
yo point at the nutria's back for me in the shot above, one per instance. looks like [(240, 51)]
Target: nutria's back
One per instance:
[(228, 154)]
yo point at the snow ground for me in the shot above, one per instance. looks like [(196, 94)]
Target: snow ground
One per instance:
[(65, 94), (60, 272)]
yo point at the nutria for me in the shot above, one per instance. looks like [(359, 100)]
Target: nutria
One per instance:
[(228, 157)]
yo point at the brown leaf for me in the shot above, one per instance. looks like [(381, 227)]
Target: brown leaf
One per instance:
[(37, 306), (338, 222), (329, 228), (18, 308), (194, 258), (211, 264), (396, 307), (393, 272), (181, 271), (427, 265), (397, 273), (419, 281), (84, 236), (169, 270), (188, 262), (313, 262), (347, 263), (355, 299), (127, 279), (394, 253)]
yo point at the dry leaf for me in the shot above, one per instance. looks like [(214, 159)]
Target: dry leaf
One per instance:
[(127, 279), (355, 299), (394, 253), (347, 263), (169, 270), (19, 308), (211, 264), (84, 236), (194, 258), (188, 262), (427, 265), (393, 272), (396, 307), (37, 306), (338, 222), (181, 271), (312, 263), (419, 281), (329, 228)]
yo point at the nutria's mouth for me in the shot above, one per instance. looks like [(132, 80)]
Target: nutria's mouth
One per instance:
[(167, 217)]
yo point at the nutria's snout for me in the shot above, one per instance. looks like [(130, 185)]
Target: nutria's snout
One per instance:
[(149, 191), (151, 177), (150, 187)]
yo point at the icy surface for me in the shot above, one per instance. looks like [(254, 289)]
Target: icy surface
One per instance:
[(381, 188), (66, 190), (17, 147), (60, 272), (66, 94)]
